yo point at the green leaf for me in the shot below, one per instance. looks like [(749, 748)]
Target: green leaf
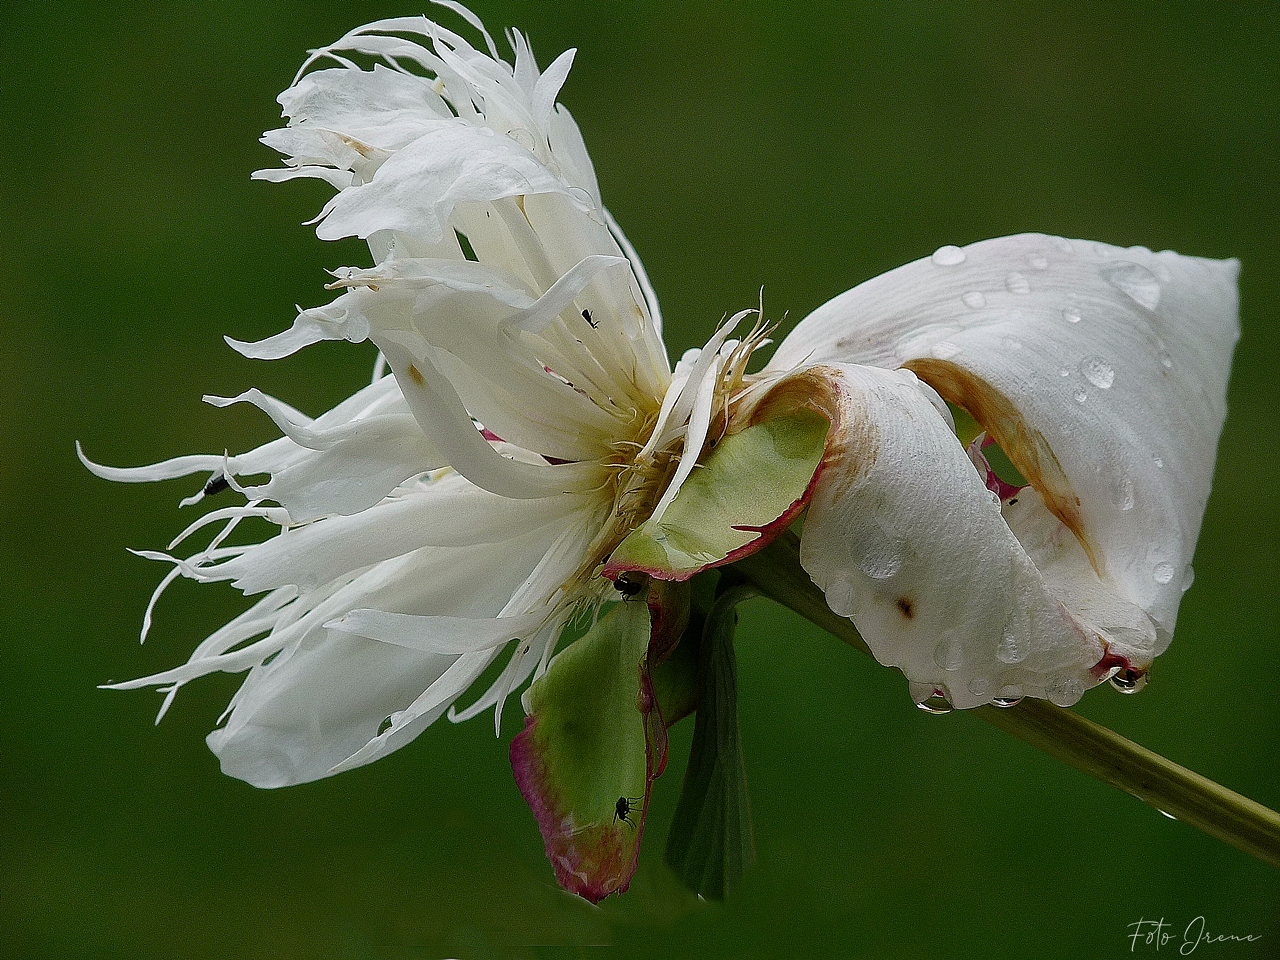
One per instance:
[(709, 845), (747, 490)]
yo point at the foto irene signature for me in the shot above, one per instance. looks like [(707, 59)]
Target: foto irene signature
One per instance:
[(1161, 934)]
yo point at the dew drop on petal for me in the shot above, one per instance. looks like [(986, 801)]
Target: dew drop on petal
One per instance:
[(1081, 396), (944, 350), (979, 686), (1037, 262), (1064, 691), (1063, 244), (1013, 647), (1011, 343), (1188, 577), (1162, 572), (1017, 283), (1158, 461), (1098, 372), (974, 300), (948, 256), (948, 655), (1071, 316), (1122, 493), (1064, 372), (1134, 281), (840, 597), (880, 562)]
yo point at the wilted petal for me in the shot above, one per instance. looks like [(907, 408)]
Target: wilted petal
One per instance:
[(905, 539), (1101, 371)]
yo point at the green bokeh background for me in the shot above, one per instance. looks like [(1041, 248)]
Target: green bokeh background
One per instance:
[(804, 147)]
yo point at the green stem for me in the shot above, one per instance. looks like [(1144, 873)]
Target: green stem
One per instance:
[(1087, 746)]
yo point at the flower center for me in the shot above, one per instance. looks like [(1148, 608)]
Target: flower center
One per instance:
[(707, 386)]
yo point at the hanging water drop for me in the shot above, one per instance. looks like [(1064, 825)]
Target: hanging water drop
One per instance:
[(840, 597), (1129, 680), (1098, 372), (1134, 281), (936, 704), (1010, 695), (948, 256)]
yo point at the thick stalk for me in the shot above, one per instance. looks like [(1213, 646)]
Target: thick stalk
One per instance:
[(1087, 746)]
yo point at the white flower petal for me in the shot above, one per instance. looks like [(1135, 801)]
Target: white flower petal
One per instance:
[(1101, 371), (905, 539), (326, 696)]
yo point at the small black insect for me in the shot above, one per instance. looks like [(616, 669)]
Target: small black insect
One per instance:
[(630, 584), (216, 485), (586, 315), (622, 810)]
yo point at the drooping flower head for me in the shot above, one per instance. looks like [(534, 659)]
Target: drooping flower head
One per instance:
[(533, 461)]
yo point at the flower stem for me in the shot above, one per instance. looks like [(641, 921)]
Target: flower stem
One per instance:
[(1088, 746)]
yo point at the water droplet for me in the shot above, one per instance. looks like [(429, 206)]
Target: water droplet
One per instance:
[(1010, 695), (1011, 343), (1162, 573), (1064, 372), (979, 686), (384, 726), (1064, 691), (936, 704), (1158, 461), (1098, 372), (1122, 493), (1017, 283), (1166, 361), (881, 565), (1188, 577), (1063, 244), (1013, 647), (1037, 262), (1129, 680), (949, 655), (1070, 316), (1135, 281), (1081, 396), (944, 350), (948, 256), (974, 300), (840, 597)]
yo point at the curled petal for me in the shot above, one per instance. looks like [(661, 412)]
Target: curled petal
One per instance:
[(905, 539), (1101, 371)]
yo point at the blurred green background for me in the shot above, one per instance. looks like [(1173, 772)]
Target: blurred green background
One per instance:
[(804, 147)]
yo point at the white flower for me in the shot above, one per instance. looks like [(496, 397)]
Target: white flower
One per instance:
[(533, 441)]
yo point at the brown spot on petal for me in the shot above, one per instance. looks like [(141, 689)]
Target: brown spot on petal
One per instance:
[(1026, 448), (906, 607), (415, 375)]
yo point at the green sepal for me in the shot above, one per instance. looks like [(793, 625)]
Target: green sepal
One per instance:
[(710, 845), (592, 744), (747, 490)]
